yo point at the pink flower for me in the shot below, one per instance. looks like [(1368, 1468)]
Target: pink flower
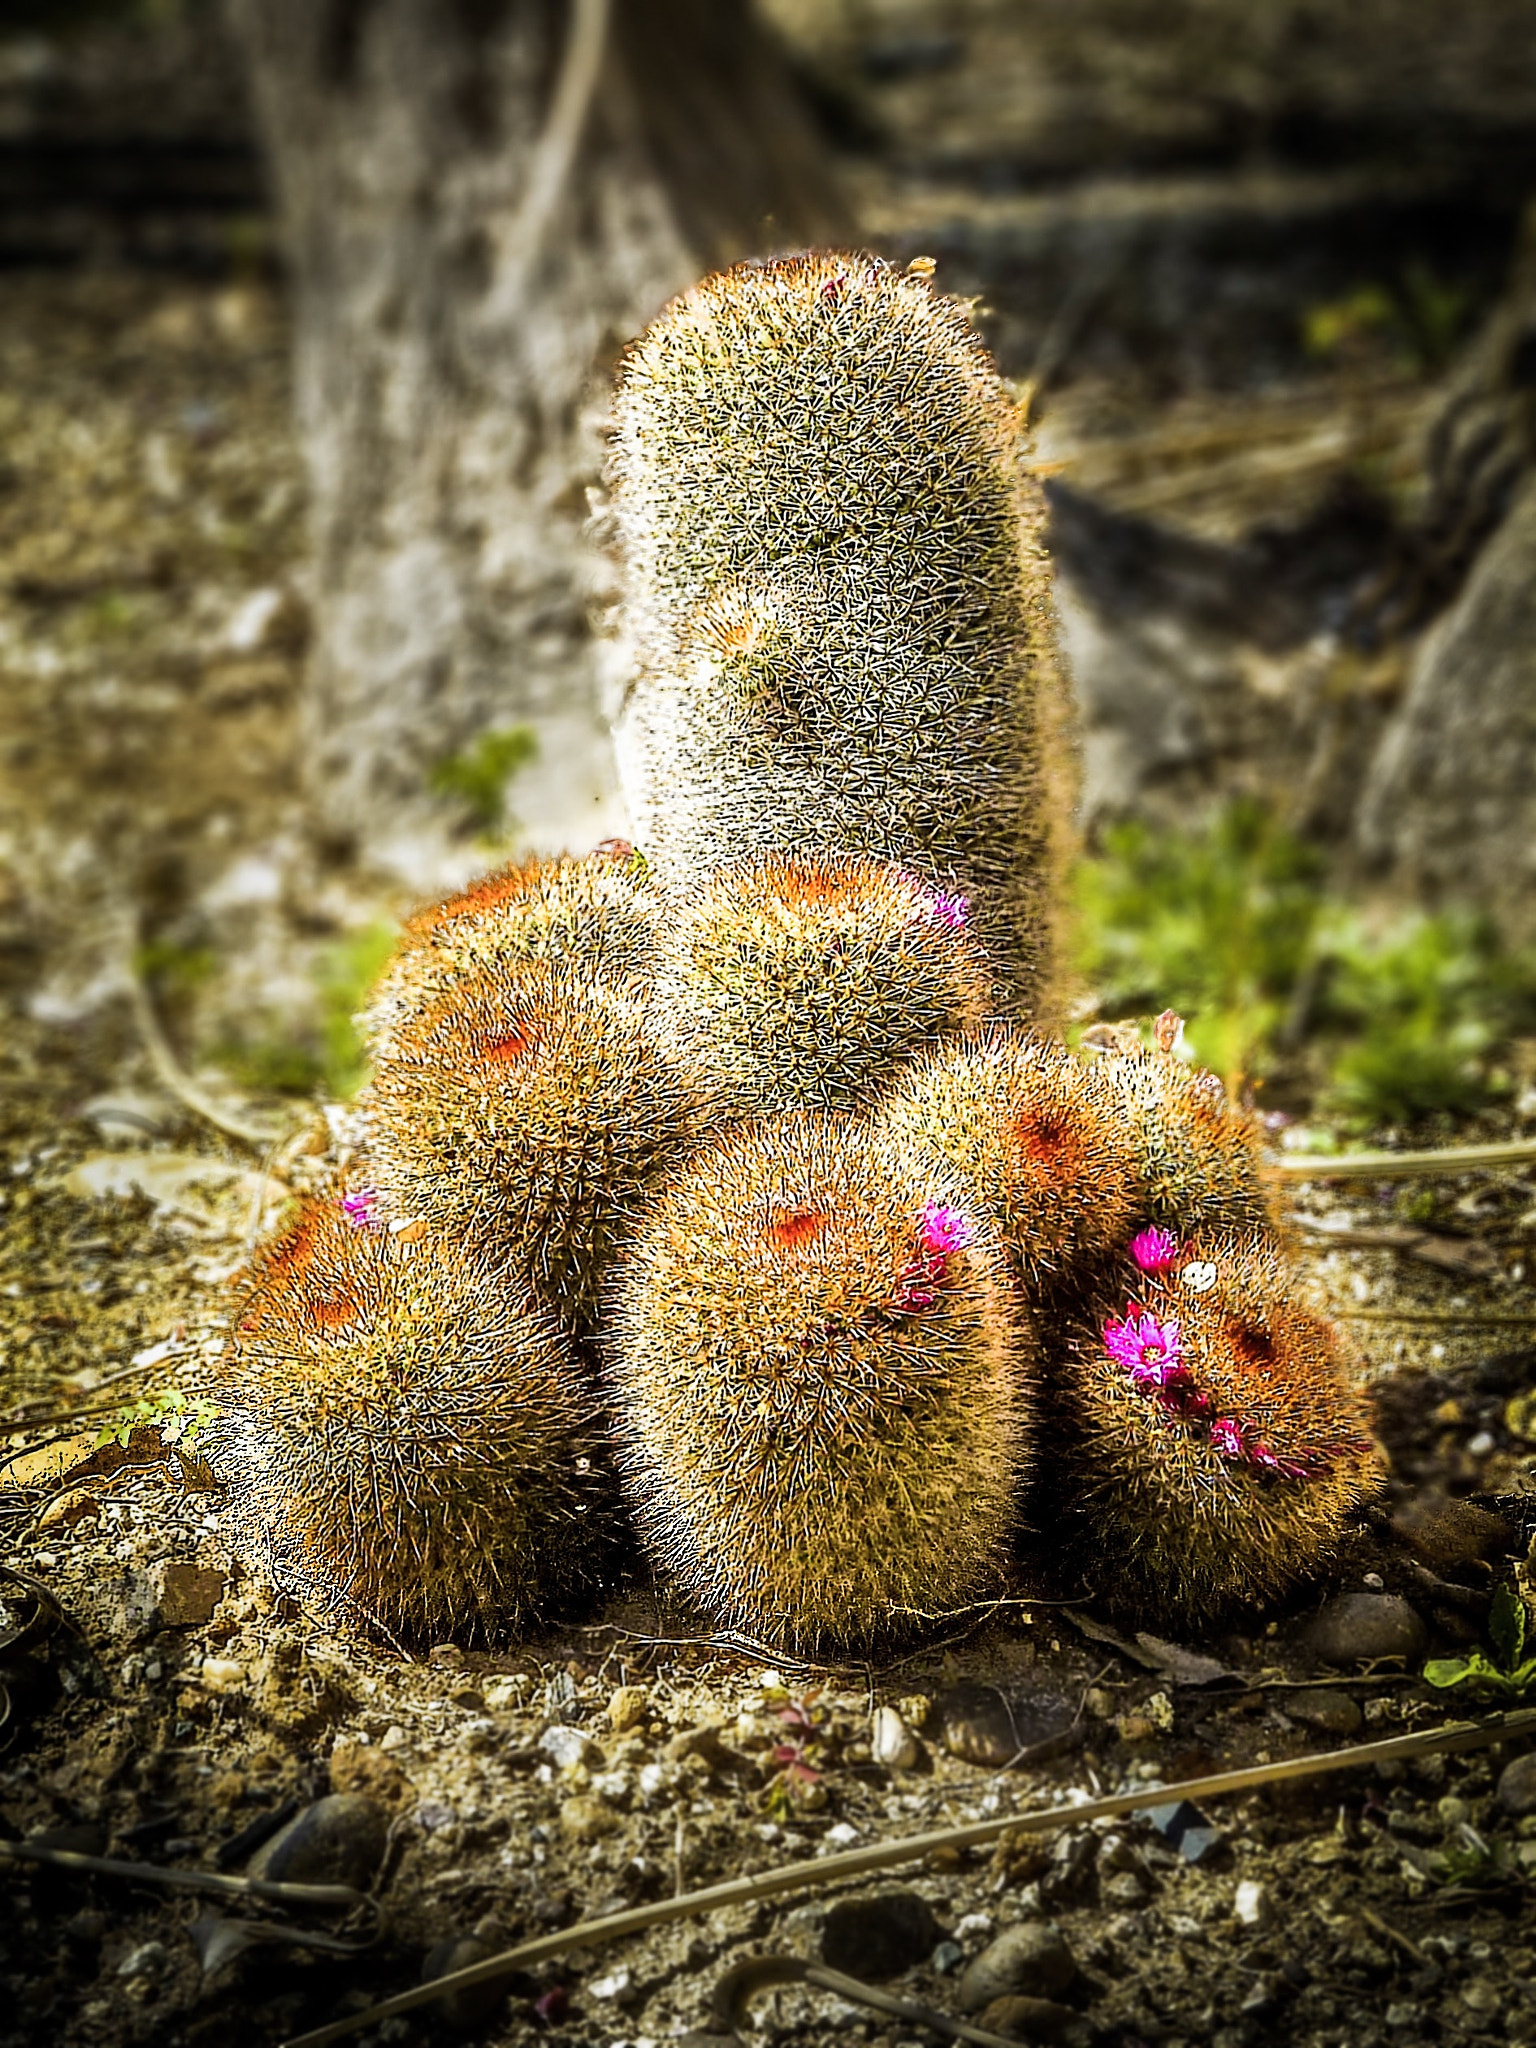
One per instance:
[(1148, 1349), (1227, 1437), (946, 1229), (1155, 1250), (951, 912), (361, 1209)]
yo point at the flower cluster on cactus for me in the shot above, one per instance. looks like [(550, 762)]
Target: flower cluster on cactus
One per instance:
[(736, 1193)]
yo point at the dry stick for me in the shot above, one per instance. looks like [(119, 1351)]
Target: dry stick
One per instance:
[(171, 1077), (1435, 1318), (555, 151), (187, 1880), (1404, 1165), (827, 1870)]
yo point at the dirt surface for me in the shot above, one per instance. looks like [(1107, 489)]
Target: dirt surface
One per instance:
[(162, 1706)]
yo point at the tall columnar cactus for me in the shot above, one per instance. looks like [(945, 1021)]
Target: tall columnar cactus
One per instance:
[(595, 911), (837, 590), (406, 1438), (1038, 1137), (1212, 1442), (800, 981), (821, 1385), (528, 1111)]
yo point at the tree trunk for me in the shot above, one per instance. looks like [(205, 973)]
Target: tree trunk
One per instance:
[(1449, 806), (481, 201)]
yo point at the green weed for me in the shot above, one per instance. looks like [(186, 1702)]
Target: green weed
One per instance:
[(1232, 925), (345, 973), (477, 778), (1509, 1671)]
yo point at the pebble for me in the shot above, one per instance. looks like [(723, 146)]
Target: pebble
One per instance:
[(978, 1724), (892, 1742), (1034, 1955), (1035, 2019), (1251, 1904), (567, 1747), (1124, 1889), (586, 1819), (1517, 1786), (1334, 1713), (471, 2005), (879, 1935), (1357, 1627), (360, 1767), (627, 1706), (338, 1840), (222, 1675)]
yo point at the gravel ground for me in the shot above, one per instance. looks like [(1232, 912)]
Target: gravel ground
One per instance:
[(163, 1708)]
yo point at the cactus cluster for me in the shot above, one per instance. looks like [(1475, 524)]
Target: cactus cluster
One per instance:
[(738, 1192)]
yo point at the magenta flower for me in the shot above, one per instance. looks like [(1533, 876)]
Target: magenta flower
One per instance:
[(946, 1229), (1148, 1349), (951, 912), (1227, 1437), (361, 1209), (1155, 1251)]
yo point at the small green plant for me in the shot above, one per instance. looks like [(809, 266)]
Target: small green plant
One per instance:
[(1417, 1011), (1230, 924), (478, 776), (344, 974), (1510, 1670), (178, 1417), (1415, 321), (1216, 923), (173, 968)]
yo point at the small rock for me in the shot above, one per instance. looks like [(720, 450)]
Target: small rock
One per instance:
[(222, 1675), (361, 1767), (947, 1957), (878, 1936), (586, 1819), (471, 2005), (1035, 2019), (147, 1960), (1334, 1713), (1125, 1889), (186, 1594), (1251, 1904), (567, 1747), (1451, 1534), (1403, 2019), (1356, 1628), (616, 1987), (892, 1742), (338, 1840), (1517, 1786), (627, 1706), (981, 1725), (1034, 1954)]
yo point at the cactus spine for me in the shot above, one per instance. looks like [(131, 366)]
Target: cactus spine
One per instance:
[(527, 1112), (405, 1436), (835, 579), (1195, 1155), (1214, 1444), (595, 912), (1036, 1135), (803, 980), (820, 1384)]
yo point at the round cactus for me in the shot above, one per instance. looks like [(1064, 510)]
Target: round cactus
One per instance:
[(838, 593), (596, 911), (821, 1385), (527, 1112), (1196, 1156), (1036, 1136), (1214, 1442), (801, 981), (406, 1438)]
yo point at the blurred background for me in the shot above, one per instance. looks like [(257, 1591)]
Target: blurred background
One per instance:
[(307, 314)]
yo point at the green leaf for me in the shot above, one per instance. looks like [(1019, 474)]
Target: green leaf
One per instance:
[(1448, 1671), (1506, 1626)]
